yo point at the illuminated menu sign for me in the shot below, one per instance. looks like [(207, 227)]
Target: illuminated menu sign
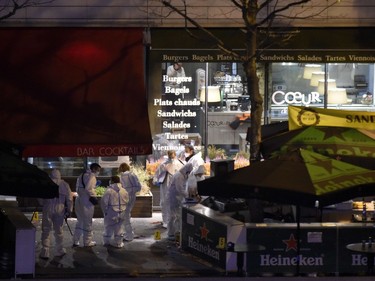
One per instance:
[(178, 109)]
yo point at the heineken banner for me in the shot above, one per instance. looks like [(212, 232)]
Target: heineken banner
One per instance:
[(351, 262), (205, 233), (312, 116), (317, 248), (323, 246)]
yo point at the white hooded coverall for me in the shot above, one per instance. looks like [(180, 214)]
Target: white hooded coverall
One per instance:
[(132, 185), (177, 192), (163, 176), (196, 160), (84, 209), (54, 211), (113, 204), (193, 179)]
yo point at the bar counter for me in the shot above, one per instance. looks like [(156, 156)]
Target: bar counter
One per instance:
[(322, 245)]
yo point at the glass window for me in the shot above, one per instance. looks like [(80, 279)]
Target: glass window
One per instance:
[(354, 84), (345, 86), (68, 166), (73, 166), (179, 109)]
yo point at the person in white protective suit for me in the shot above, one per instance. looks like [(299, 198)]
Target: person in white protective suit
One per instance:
[(192, 184), (192, 157), (54, 212), (84, 206), (132, 185), (113, 204), (177, 192), (162, 177)]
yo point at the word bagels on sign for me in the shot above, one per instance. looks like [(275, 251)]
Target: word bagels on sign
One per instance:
[(280, 98), (176, 91)]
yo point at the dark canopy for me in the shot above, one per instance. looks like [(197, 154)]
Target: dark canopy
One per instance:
[(300, 178), (356, 146), (74, 92), (19, 178)]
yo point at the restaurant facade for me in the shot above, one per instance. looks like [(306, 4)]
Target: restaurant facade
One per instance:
[(340, 61), (339, 36), (335, 71), (317, 67)]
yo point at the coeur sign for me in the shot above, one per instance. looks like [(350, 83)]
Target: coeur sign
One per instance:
[(280, 98)]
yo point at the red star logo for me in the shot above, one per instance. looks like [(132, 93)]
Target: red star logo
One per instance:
[(291, 243), (204, 231)]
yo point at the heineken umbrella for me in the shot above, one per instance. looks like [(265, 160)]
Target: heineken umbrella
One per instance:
[(299, 177), (269, 130), (19, 178), (355, 146)]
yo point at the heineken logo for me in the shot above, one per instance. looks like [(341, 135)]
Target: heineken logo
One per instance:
[(203, 248), (341, 149), (359, 260), (289, 257), (279, 260), (350, 180), (291, 243), (204, 231)]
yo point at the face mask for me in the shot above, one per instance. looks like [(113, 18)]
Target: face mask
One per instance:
[(199, 178), (186, 154), (96, 174)]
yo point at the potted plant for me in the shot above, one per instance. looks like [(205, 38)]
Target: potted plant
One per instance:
[(144, 179), (143, 204)]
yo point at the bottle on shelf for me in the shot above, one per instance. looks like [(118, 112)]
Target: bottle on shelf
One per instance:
[(364, 211), (363, 244)]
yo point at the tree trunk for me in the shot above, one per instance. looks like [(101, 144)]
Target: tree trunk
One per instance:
[(256, 111), (253, 81)]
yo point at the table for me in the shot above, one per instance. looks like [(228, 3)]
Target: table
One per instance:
[(368, 249), (240, 250)]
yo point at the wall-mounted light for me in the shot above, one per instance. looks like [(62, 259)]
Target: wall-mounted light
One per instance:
[(331, 84), (315, 77), (213, 95), (337, 96), (309, 69)]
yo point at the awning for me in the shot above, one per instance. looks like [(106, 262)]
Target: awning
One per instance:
[(74, 92)]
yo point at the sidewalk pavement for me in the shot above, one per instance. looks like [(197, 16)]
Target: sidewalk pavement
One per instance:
[(145, 256)]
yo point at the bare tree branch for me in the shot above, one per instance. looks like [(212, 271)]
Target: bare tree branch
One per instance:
[(316, 14), (9, 8), (219, 43), (277, 11), (271, 9)]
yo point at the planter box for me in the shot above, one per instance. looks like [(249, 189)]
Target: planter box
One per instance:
[(142, 208)]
